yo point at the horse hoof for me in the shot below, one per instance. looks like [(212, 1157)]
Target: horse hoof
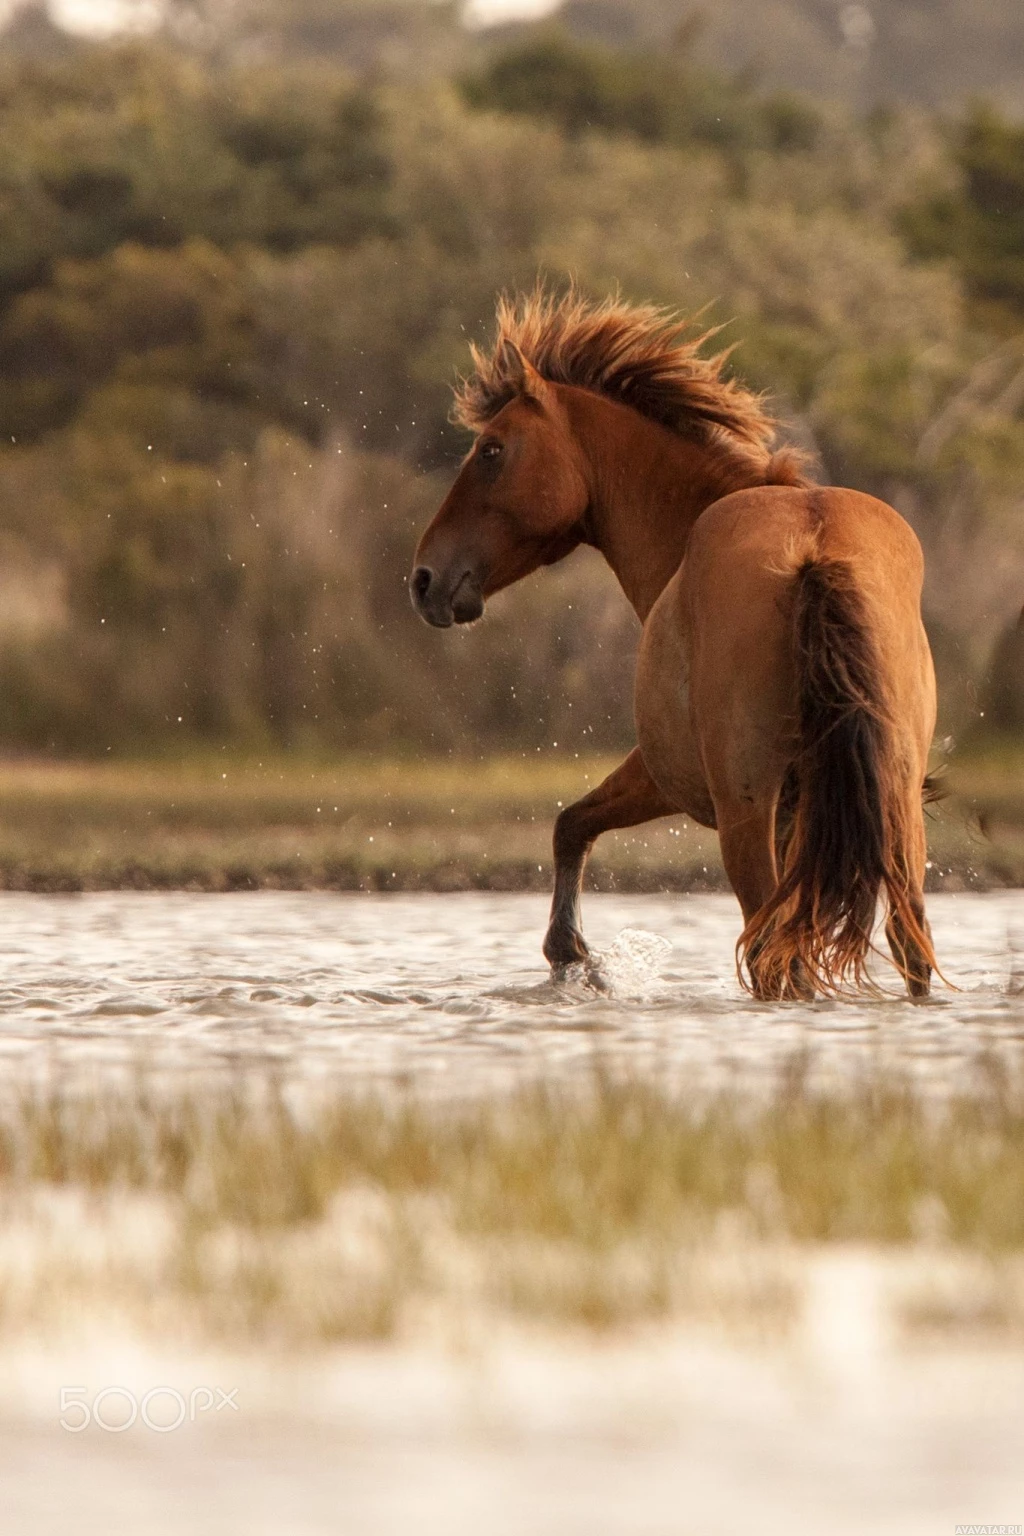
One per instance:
[(564, 950)]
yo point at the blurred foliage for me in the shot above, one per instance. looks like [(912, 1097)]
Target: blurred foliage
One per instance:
[(1006, 681), (414, 36), (980, 221), (140, 144), (657, 97), (933, 53), (234, 293)]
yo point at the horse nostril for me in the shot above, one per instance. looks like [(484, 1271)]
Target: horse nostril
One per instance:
[(422, 576)]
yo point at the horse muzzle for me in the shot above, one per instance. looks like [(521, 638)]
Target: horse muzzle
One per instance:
[(442, 602)]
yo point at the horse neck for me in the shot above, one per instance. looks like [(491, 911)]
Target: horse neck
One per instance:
[(648, 487)]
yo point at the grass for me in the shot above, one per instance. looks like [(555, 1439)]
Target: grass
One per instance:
[(225, 1213), (220, 823)]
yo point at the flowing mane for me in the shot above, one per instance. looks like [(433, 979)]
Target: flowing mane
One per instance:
[(638, 355)]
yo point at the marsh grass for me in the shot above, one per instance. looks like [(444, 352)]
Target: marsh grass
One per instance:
[(233, 1213), (230, 824), (224, 823)]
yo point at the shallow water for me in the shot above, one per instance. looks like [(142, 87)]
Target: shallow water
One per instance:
[(451, 992), (469, 1425)]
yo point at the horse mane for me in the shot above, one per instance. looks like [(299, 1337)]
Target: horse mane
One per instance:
[(639, 355)]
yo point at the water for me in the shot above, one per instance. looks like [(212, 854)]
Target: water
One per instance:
[(451, 993), (463, 1423)]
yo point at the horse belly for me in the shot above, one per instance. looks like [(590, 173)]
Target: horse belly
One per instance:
[(664, 725)]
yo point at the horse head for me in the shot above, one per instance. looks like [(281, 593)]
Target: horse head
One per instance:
[(519, 502)]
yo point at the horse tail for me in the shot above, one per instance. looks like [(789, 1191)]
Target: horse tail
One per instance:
[(850, 829)]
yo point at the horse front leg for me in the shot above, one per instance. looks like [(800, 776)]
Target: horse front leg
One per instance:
[(626, 798)]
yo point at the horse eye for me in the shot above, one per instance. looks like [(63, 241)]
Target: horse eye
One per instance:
[(491, 450)]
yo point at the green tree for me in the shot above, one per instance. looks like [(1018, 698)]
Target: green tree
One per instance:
[(980, 224), (658, 98), (136, 143)]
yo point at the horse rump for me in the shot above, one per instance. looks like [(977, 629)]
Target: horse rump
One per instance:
[(846, 832)]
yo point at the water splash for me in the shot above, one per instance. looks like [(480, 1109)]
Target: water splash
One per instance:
[(630, 967)]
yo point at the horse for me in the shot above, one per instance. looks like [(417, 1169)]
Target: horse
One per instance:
[(785, 691)]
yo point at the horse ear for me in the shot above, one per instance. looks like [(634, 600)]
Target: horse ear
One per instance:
[(520, 372)]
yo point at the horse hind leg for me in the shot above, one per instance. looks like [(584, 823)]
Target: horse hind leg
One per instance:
[(907, 925), (747, 833), (909, 954)]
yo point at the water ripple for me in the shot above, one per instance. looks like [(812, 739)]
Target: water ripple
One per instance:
[(453, 987)]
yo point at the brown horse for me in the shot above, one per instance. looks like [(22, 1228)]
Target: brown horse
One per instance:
[(784, 692)]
